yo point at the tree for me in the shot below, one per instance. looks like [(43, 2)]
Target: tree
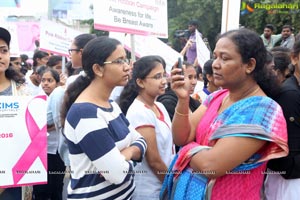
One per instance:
[(278, 17), (207, 12), (209, 15)]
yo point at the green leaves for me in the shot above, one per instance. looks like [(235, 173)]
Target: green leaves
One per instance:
[(207, 12)]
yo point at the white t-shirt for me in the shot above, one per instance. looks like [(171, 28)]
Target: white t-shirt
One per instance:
[(148, 186)]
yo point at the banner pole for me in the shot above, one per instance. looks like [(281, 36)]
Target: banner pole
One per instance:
[(132, 44)]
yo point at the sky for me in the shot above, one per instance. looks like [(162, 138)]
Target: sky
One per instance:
[(28, 7)]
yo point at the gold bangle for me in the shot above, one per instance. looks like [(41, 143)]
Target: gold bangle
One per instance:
[(181, 114)]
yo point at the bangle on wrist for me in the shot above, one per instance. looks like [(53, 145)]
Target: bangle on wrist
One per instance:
[(181, 114)]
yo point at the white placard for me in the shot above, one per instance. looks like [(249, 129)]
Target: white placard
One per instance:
[(23, 140), (144, 17), (56, 38), (203, 53)]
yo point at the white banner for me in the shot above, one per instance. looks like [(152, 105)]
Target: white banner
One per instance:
[(203, 53), (56, 38), (144, 17), (23, 140)]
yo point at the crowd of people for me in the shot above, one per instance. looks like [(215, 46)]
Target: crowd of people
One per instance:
[(225, 130)]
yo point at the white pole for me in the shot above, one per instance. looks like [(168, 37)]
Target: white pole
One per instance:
[(63, 65), (132, 43), (230, 15)]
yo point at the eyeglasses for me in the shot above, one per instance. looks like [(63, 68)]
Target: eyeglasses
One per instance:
[(70, 50), (159, 76), (118, 61)]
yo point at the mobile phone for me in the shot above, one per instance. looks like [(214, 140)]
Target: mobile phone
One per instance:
[(179, 65)]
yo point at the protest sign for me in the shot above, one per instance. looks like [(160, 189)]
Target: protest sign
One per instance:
[(142, 17), (56, 38), (23, 140)]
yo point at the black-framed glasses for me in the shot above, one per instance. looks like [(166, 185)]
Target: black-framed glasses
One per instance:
[(159, 76), (118, 61), (71, 50)]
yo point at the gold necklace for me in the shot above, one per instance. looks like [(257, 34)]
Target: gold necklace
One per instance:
[(225, 100)]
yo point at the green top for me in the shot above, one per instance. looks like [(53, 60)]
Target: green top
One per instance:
[(269, 44)]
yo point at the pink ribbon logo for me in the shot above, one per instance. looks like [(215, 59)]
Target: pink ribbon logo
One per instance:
[(37, 147)]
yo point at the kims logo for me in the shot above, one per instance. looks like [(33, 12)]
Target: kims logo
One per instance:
[(9, 105)]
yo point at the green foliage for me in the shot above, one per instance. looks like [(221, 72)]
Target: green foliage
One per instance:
[(208, 13), (278, 17)]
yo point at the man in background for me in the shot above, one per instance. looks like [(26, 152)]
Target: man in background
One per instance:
[(269, 38), (191, 51), (288, 38)]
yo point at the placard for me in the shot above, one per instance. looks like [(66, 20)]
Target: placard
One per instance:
[(23, 140), (144, 17), (56, 38)]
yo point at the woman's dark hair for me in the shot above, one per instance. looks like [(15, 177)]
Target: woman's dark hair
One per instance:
[(141, 68), (25, 66), (15, 75), (13, 58), (287, 51), (269, 57), (54, 60), (38, 54), (24, 57), (187, 64), (294, 52), (282, 61), (40, 70), (81, 40), (296, 48), (207, 69), (297, 37), (281, 49), (70, 70), (53, 72), (96, 51), (198, 71), (250, 45)]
